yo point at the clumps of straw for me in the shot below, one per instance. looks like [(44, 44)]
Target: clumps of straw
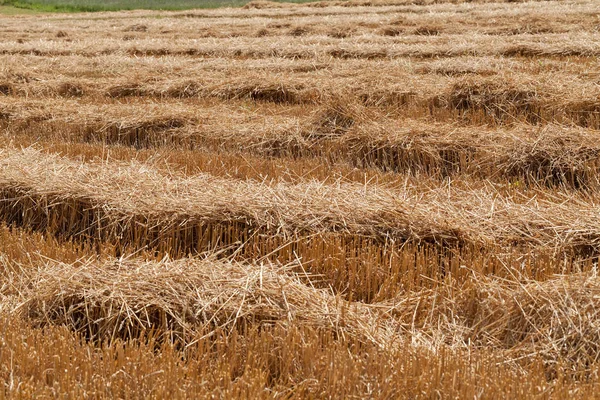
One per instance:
[(70, 89), (185, 89), (179, 300), (427, 30), (271, 92), (262, 4), (334, 119), (341, 33), (551, 156), (126, 90), (137, 205), (299, 31), (497, 99), (555, 320), (392, 31), (6, 88), (136, 28)]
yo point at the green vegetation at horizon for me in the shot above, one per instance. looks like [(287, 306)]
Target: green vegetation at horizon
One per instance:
[(12, 10)]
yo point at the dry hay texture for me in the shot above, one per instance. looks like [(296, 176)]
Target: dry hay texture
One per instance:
[(341, 199)]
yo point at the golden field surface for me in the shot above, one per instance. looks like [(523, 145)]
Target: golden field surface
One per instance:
[(345, 199)]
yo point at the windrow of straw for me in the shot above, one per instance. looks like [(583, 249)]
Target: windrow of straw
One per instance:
[(354, 268), (473, 100), (381, 48), (266, 4), (549, 155), (34, 76), (556, 320), (180, 300), (334, 133), (135, 205), (266, 91), (508, 103)]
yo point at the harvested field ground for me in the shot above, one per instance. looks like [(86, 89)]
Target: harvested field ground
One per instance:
[(343, 199)]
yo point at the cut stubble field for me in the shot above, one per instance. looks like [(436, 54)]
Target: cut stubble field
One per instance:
[(343, 199)]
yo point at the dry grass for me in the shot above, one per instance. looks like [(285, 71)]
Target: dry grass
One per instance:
[(517, 97), (362, 199), (182, 300), (335, 134), (545, 328), (136, 203), (554, 320), (263, 364)]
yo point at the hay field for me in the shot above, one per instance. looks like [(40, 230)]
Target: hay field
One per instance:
[(345, 199)]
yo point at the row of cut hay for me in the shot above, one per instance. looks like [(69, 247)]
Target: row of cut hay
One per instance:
[(140, 133), (355, 268), (134, 204), (502, 10), (224, 163), (393, 24), (271, 92), (341, 24), (543, 94), (507, 103), (545, 156), (334, 133), (397, 28), (321, 47), (473, 101), (181, 300), (33, 76), (266, 4), (372, 46), (556, 320), (488, 101), (265, 92), (525, 320), (337, 52), (549, 155)]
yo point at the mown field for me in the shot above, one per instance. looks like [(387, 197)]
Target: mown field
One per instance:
[(344, 199), (117, 5)]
